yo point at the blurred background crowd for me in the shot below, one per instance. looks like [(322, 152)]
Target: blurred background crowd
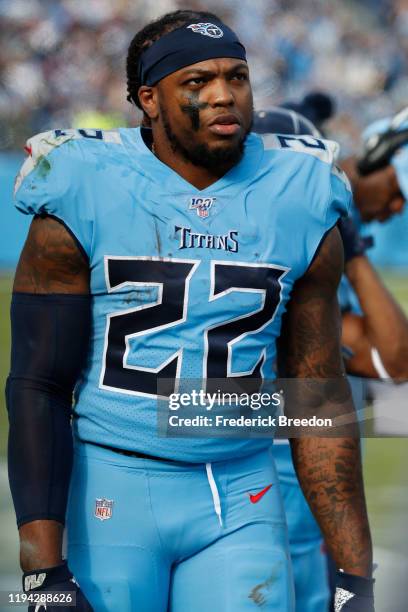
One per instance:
[(62, 62)]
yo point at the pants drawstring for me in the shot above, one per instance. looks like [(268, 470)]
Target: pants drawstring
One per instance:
[(214, 491)]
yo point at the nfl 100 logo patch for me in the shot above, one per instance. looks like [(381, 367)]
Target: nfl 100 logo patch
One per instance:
[(202, 206), (103, 508)]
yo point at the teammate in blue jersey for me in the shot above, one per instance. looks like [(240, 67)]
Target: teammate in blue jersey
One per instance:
[(172, 253), (374, 325)]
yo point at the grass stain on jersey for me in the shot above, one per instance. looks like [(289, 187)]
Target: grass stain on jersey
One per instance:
[(259, 593), (43, 166), (157, 236), (140, 296)]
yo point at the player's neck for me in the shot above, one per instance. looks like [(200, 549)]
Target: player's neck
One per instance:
[(199, 176)]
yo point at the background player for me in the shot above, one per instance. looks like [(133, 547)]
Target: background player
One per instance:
[(378, 334), (374, 325), (200, 117)]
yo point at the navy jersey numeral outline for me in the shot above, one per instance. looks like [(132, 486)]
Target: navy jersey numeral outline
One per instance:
[(109, 372), (120, 377), (227, 277)]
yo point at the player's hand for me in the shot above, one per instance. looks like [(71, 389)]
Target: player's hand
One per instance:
[(378, 195), (56, 580), (353, 593), (354, 244)]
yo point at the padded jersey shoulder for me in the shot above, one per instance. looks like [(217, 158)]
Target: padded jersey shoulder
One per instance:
[(296, 149), (301, 174), (62, 174), (65, 145)]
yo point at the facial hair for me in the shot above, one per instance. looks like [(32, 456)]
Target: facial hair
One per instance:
[(213, 159)]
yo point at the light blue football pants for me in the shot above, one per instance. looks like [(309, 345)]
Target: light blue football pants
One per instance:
[(156, 536)]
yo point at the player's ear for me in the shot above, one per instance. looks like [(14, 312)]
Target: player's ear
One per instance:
[(148, 98)]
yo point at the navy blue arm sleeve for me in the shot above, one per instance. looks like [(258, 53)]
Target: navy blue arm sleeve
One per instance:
[(50, 335)]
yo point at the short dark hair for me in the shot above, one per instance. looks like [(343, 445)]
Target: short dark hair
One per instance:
[(147, 36)]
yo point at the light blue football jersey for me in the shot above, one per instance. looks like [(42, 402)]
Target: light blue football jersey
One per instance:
[(185, 284)]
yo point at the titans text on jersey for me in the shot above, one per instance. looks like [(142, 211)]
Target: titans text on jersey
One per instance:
[(191, 240)]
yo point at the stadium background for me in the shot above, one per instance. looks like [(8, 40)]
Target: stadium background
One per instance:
[(62, 65)]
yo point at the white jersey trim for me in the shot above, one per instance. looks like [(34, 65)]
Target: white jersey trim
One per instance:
[(299, 144)]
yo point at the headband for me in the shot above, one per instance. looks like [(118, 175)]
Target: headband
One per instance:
[(189, 44)]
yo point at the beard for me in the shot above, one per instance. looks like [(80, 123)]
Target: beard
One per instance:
[(215, 159)]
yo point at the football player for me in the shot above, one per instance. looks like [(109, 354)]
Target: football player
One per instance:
[(379, 179), (385, 151), (171, 253), (375, 327)]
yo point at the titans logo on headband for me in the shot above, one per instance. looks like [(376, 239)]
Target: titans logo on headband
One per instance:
[(206, 29), (178, 49)]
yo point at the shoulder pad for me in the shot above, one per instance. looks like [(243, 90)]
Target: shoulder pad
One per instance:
[(337, 171), (40, 146), (325, 150)]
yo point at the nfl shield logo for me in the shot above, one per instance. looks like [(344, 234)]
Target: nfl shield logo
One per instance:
[(103, 508), (202, 206)]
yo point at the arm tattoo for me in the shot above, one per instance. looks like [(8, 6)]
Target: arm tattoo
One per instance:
[(314, 317), (328, 468), (329, 471), (51, 261)]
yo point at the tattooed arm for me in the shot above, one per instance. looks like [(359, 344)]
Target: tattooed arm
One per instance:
[(39, 409), (51, 261), (328, 468)]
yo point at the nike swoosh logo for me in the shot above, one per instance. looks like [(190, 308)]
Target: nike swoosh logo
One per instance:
[(254, 499)]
